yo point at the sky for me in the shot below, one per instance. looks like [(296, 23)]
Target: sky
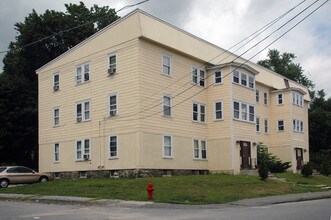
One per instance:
[(221, 22)]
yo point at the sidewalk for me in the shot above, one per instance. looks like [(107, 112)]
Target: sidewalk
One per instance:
[(263, 201)]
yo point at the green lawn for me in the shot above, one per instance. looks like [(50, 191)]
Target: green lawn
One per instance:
[(180, 189)]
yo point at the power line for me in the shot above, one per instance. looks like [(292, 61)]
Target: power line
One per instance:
[(240, 65), (73, 28), (238, 56)]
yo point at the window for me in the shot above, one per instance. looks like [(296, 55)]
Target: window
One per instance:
[(265, 97), (257, 124), (251, 82), (297, 99), (218, 110), (112, 64), (112, 105), (243, 79), (56, 116), (266, 126), (199, 112), (280, 98), (56, 152), (198, 76), (243, 111), (83, 149), (257, 94), (236, 76), (218, 77), (199, 149), (297, 125), (166, 105), (83, 111), (113, 146), (166, 65), (56, 82), (280, 126), (167, 146), (82, 73)]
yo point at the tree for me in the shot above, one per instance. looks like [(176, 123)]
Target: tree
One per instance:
[(18, 82), (283, 64)]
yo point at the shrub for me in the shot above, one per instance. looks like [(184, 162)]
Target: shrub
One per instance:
[(263, 171), (307, 170), (273, 163), (325, 168)]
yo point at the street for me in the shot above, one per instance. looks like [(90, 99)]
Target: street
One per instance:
[(317, 209)]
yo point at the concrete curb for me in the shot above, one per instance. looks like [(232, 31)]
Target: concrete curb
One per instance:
[(146, 204)]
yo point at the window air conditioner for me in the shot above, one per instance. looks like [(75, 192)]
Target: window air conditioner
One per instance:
[(79, 119), (112, 113), (111, 71), (56, 87), (86, 156)]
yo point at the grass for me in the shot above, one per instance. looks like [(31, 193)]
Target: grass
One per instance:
[(180, 189), (299, 179)]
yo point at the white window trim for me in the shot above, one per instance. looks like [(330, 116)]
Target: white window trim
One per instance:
[(171, 109), (83, 81), (54, 124), (279, 99), (221, 77), (240, 111), (56, 152), (170, 65), (283, 125), (264, 125), (198, 76), (109, 95), (171, 147), (298, 127), (266, 98), (199, 149), (117, 147), (108, 67), (297, 99), (257, 95), (222, 118), (83, 149), (199, 113), (256, 124), (56, 85), (241, 78), (83, 110)]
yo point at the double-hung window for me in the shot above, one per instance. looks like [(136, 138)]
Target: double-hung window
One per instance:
[(199, 112), (112, 100), (243, 111), (243, 79), (112, 64), (257, 124), (266, 126), (113, 146), (199, 149), (166, 65), (167, 105), (83, 149), (280, 98), (280, 125), (167, 146), (218, 77), (297, 125), (56, 82), (82, 73), (56, 116), (265, 98), (297, 99), (83, 111), (56, 152), (198, 76), (257, 95), (218, 111)]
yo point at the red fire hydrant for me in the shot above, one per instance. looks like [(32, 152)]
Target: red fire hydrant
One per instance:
[(150, 190)]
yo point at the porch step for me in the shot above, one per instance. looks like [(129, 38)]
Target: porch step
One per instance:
[(249, 172)]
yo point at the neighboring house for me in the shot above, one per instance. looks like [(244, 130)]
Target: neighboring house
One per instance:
[(143, 95)]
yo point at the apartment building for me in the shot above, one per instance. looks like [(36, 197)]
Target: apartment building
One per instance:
[(144, 97)]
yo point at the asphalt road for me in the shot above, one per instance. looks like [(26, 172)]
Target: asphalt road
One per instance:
[(316, 209)]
